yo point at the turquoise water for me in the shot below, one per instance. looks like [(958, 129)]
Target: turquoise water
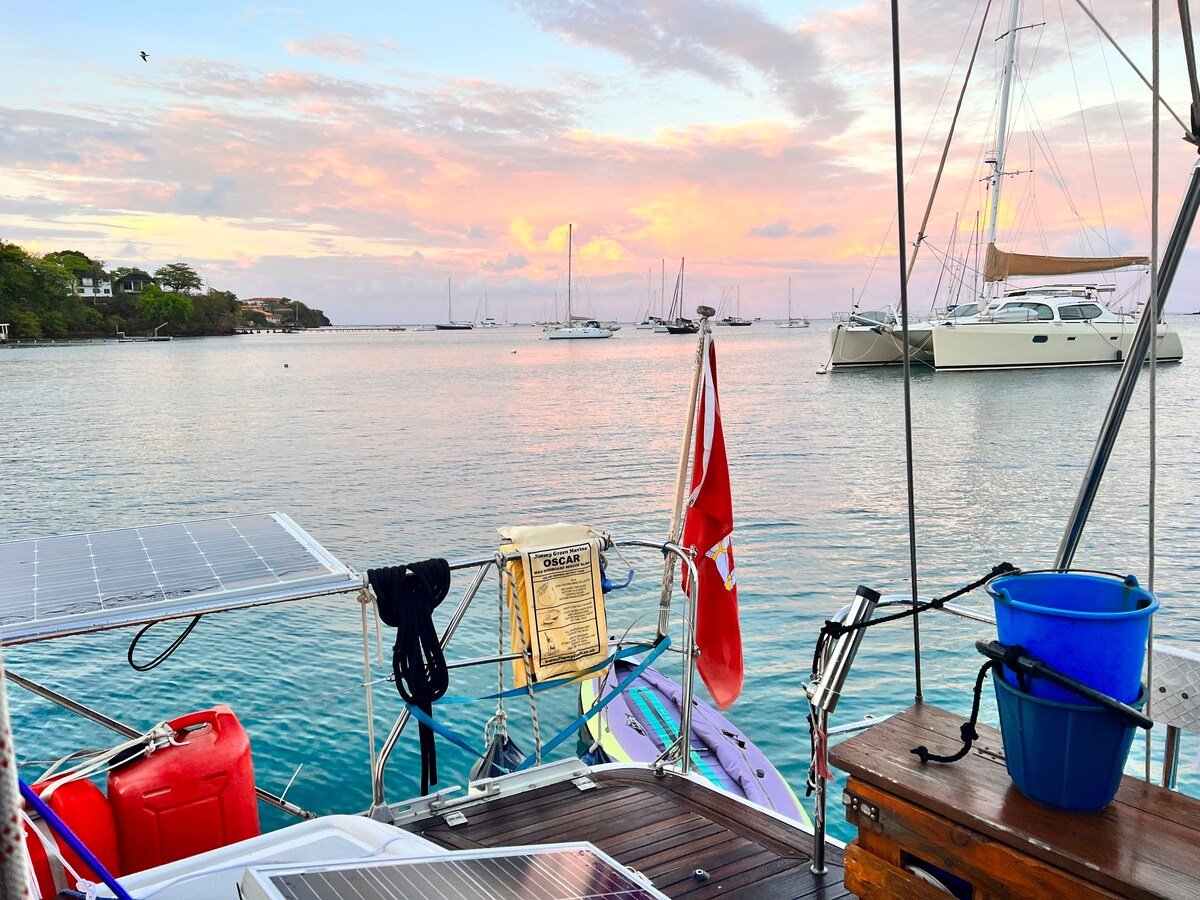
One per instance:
[(393, 447)]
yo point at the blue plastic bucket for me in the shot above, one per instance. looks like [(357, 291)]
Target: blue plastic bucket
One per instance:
[(1067, 755), (1091, 627)]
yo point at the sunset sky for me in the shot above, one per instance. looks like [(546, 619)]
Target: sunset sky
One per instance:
[(359, 155)]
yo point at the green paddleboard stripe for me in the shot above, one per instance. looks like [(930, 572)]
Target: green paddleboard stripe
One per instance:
[(664, 727)]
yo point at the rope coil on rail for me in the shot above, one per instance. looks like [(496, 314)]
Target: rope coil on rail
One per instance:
[(407, 596)]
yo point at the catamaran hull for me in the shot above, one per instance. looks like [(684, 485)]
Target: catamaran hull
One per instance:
[(863, 346), (639, 722), (1034, 345)]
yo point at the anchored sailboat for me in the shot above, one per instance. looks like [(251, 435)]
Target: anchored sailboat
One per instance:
[(588, 329), (675, 323), (450, 324), (792, 321), (737, 320)]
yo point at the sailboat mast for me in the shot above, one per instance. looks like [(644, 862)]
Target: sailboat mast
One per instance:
[(1010, 54), (662, 294), (789, 298), (569, 230)]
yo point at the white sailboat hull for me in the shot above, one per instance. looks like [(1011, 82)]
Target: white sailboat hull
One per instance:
[(861, 346), (1030, 345), (578, 333)]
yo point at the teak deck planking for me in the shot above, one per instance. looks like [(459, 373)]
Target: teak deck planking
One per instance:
[(664, 827)]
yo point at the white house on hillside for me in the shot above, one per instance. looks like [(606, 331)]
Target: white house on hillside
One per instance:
[(89, 286)]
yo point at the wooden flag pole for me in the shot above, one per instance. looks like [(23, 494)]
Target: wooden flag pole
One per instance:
[(676, 530), (683, 744)]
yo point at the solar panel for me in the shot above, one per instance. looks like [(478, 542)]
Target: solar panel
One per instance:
[(73, 583), (565, 872)]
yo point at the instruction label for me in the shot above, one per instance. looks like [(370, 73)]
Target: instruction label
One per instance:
[(567, 607)]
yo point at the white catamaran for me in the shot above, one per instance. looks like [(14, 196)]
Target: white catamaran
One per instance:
[(1040, 326)]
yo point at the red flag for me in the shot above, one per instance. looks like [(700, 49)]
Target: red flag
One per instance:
[(708, 532)]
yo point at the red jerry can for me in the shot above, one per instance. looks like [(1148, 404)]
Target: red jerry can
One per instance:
[(85, 810), (189, 797)]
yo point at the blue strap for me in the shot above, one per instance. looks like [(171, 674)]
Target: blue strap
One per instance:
[(655, 652), (420, 716), (72, 840)]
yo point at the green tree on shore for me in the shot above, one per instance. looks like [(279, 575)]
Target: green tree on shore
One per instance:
[(157, 307), (179, 277), (37, 295)]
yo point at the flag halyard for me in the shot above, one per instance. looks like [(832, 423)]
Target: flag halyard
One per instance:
[(708, 534)]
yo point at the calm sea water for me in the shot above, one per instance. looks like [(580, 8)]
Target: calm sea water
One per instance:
[(393, 447)]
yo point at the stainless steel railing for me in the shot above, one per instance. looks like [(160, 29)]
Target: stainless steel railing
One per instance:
[(485, 564)]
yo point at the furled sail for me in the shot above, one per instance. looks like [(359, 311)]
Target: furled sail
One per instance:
[(999, 264)]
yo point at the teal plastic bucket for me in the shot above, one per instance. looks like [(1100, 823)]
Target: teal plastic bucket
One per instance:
[(1067, 755), (1091, 627)]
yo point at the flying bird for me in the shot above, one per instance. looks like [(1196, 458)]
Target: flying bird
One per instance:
[(145, 56)]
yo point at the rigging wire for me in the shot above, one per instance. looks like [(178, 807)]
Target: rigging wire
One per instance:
[(1153, 306), (1121, 119), (1087, 138), (1188, 135), (908, 442), (921, 150)]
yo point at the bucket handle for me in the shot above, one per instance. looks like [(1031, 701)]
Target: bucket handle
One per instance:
[(1129, 580), (1019, 660)]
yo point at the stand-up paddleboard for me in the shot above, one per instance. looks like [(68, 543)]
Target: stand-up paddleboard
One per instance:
[(643, 720)]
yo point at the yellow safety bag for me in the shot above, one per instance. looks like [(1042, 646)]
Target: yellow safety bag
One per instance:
[(555, 601)]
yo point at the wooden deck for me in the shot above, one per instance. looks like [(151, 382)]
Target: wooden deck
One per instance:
[(968, 819), (666, 828)]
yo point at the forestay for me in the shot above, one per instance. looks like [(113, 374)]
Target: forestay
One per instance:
[(74, 583)]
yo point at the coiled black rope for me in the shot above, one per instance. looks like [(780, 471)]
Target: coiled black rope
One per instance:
[(966, 731), (407, 597)]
